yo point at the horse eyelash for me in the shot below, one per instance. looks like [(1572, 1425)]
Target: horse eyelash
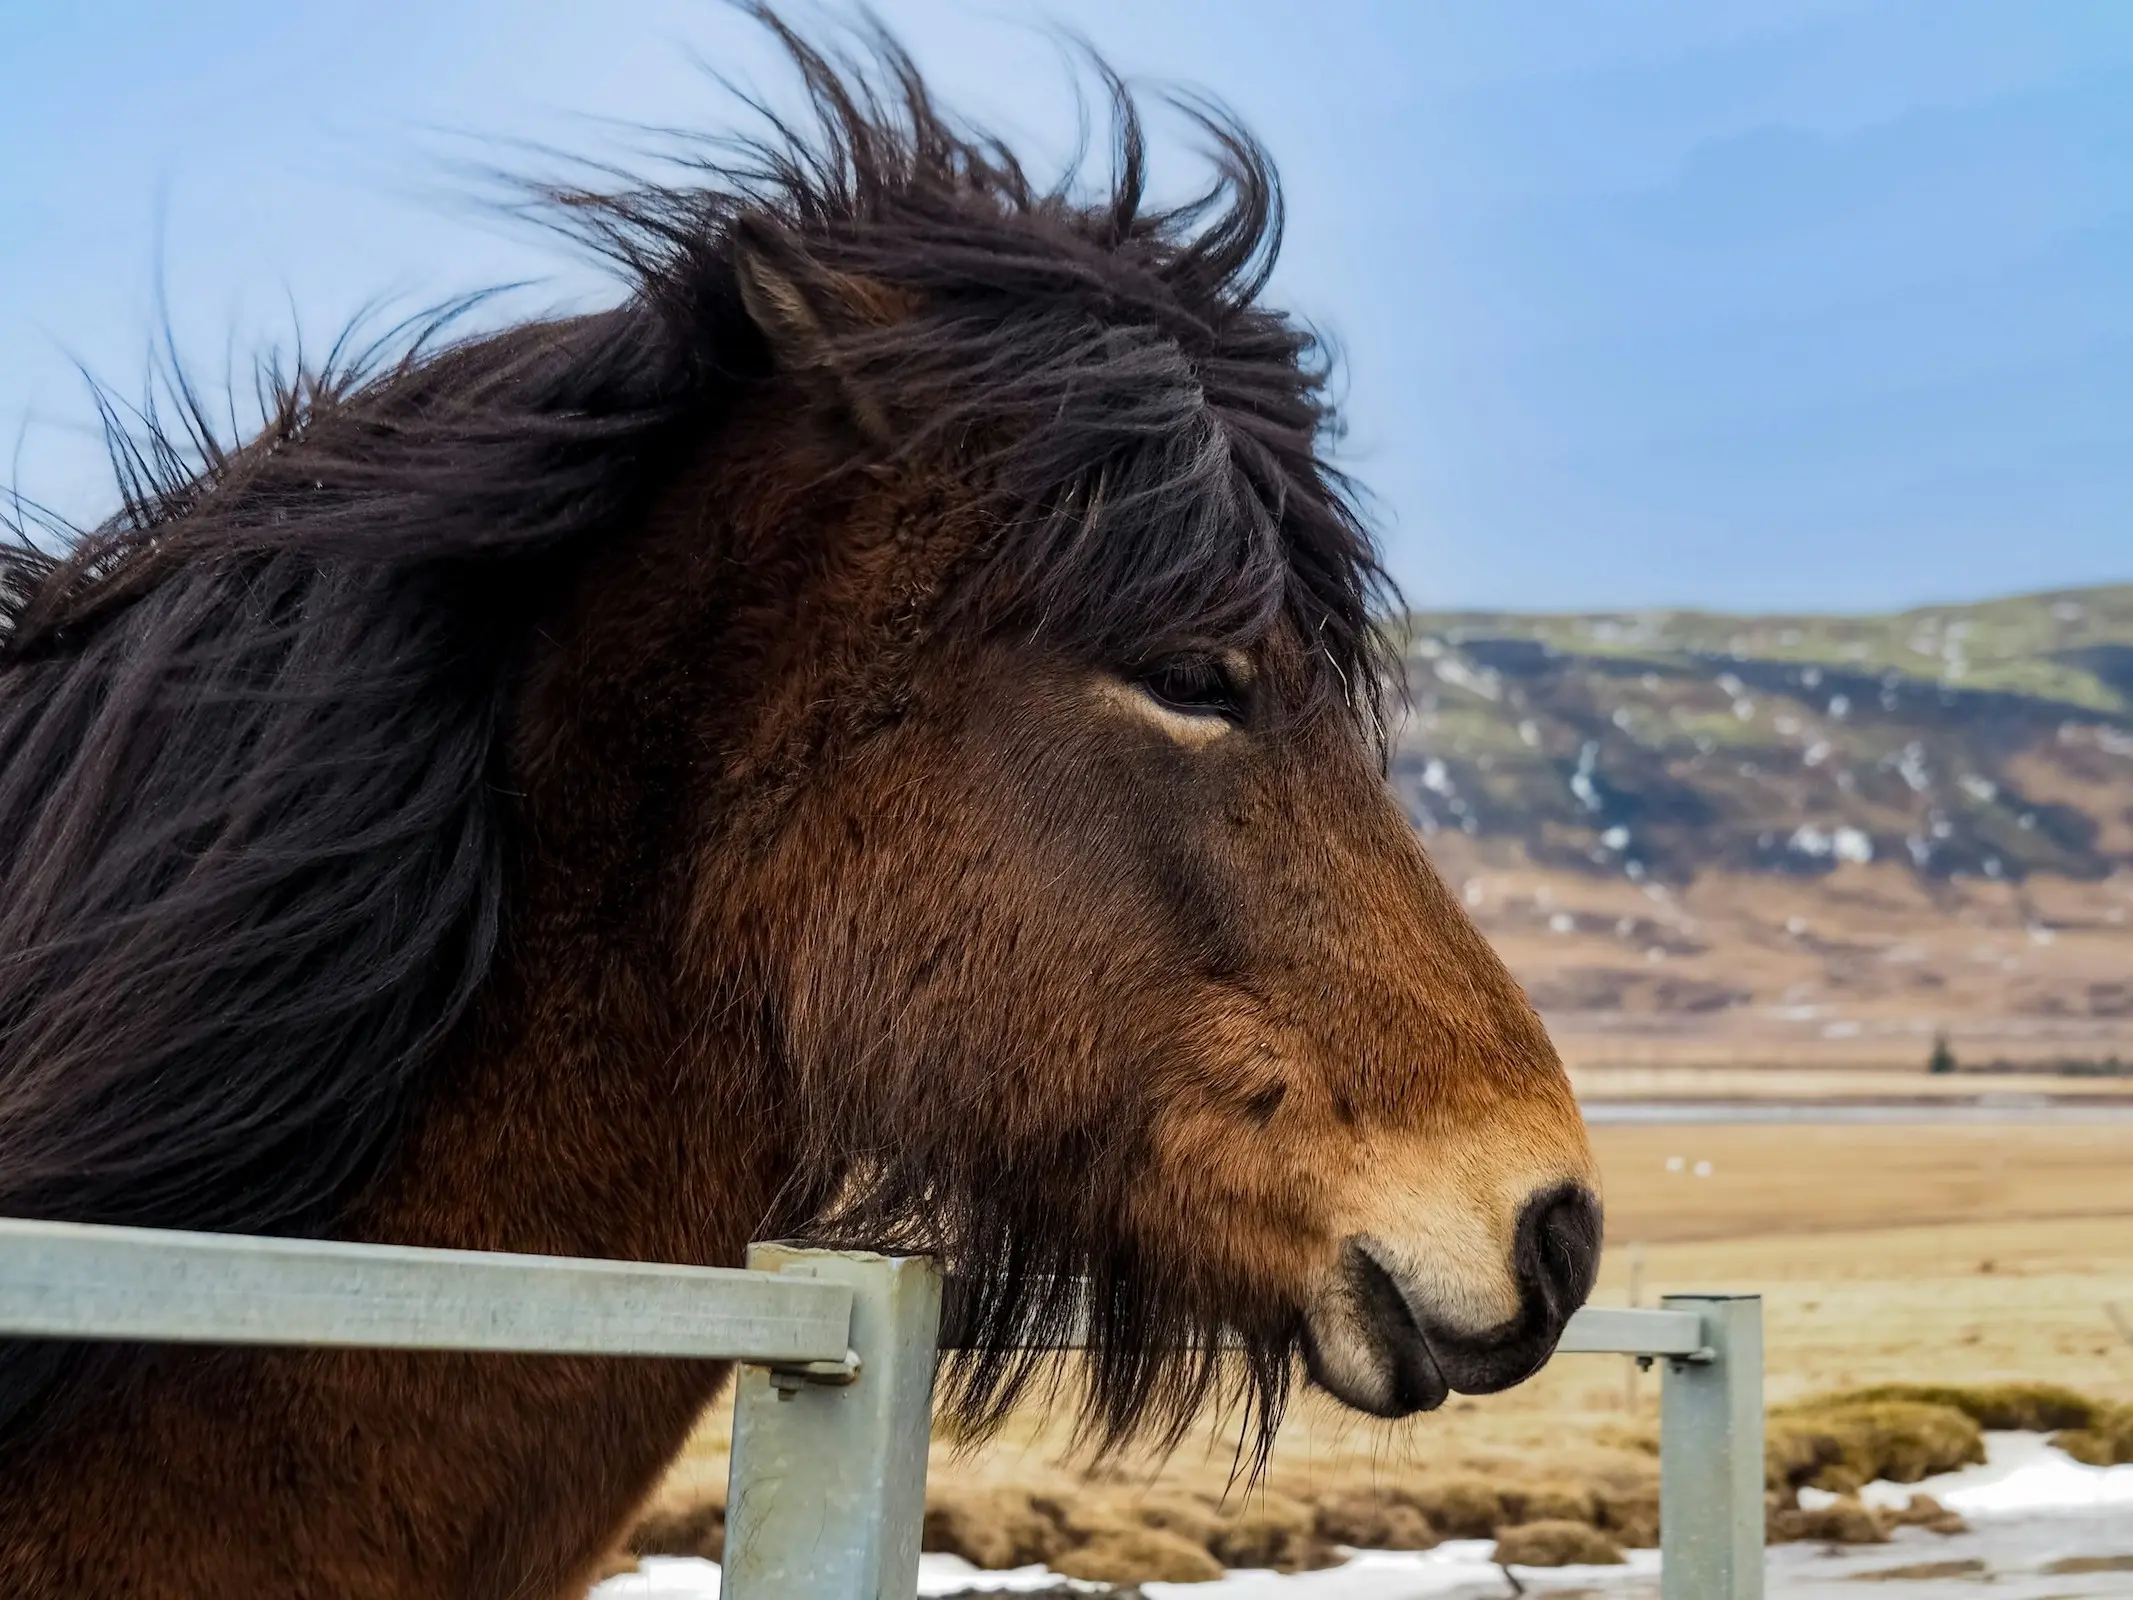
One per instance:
[(1196, 686)]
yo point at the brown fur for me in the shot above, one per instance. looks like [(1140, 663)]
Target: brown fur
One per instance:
[(848, 898)]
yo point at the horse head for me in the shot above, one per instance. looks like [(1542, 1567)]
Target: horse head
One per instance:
[(1047, 822)]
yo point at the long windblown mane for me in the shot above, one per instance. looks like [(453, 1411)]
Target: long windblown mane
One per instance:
[(256, 835)]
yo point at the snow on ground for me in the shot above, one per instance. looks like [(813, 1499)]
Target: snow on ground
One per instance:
[(2030, 1506), (2022, 1474), (669, 1577), (1458, 1567), (1455, 1568)]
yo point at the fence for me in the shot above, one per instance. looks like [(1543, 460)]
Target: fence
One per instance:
[(833, 1403)]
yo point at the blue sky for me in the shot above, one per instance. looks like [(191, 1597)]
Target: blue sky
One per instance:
[(1802, 304)]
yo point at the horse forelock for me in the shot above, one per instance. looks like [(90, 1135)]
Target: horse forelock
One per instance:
[(257, 844)]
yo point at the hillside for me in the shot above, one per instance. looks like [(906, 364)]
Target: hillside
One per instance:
[(1725, 838)]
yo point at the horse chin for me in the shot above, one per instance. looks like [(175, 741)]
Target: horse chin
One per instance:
[(1363, 1346)]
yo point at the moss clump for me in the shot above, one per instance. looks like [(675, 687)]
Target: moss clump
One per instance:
[(991, 1528), (1091, 1513), (1460, 1508), (688, 1530), (2023, 1407), (1842, 1442), (1846, 1521), (2107, 1443), (1923, 1511), (1552, 1502), (1557, 1544), (1630, 1512), (1918, 1571), (1139, 1555), (2069, 1566), (1186, 1515), (2098, 1432), (1099, 1533), (1270, 1530), (1365, 1519)]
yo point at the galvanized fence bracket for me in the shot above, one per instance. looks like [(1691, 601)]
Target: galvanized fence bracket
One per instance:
[(789, 1378), (1710, 1433)]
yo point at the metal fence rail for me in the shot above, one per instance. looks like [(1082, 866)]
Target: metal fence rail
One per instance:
[(66, 1280), (833, 1402)]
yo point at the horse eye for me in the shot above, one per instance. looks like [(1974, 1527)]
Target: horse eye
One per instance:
[(1262, 1106), (1196, 687)]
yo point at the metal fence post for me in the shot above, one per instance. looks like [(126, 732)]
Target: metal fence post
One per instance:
[(827, 1494), (1711, 1455)]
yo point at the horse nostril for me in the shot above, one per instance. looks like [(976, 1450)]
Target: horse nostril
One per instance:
[(1559, 1247)]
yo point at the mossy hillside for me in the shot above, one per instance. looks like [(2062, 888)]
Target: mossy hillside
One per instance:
[(1958, 741)]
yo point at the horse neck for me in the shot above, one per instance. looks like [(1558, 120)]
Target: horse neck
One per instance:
[(584, 1119), (604, 1098)]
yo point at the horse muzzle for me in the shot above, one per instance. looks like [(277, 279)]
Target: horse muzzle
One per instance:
[(1382, 1338)]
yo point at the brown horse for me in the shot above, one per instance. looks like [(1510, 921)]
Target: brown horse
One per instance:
[(878, 737)]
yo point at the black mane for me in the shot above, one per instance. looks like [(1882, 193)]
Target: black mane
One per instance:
[(254, 840)]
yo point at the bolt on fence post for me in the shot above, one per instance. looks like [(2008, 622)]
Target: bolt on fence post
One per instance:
[(826, 1497), (1711, 1455)]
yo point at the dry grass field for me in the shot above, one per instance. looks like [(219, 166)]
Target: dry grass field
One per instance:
[(1769, 1183), (1856, 968), (1970, 1254)]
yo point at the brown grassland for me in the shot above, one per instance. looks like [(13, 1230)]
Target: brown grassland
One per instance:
[(1851, 969), (1885, 1254)]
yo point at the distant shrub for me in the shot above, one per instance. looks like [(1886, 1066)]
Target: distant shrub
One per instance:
[(1943, 1057), (2108, 1067)]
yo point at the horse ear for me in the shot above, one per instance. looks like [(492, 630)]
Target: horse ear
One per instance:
[(807, 312)]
